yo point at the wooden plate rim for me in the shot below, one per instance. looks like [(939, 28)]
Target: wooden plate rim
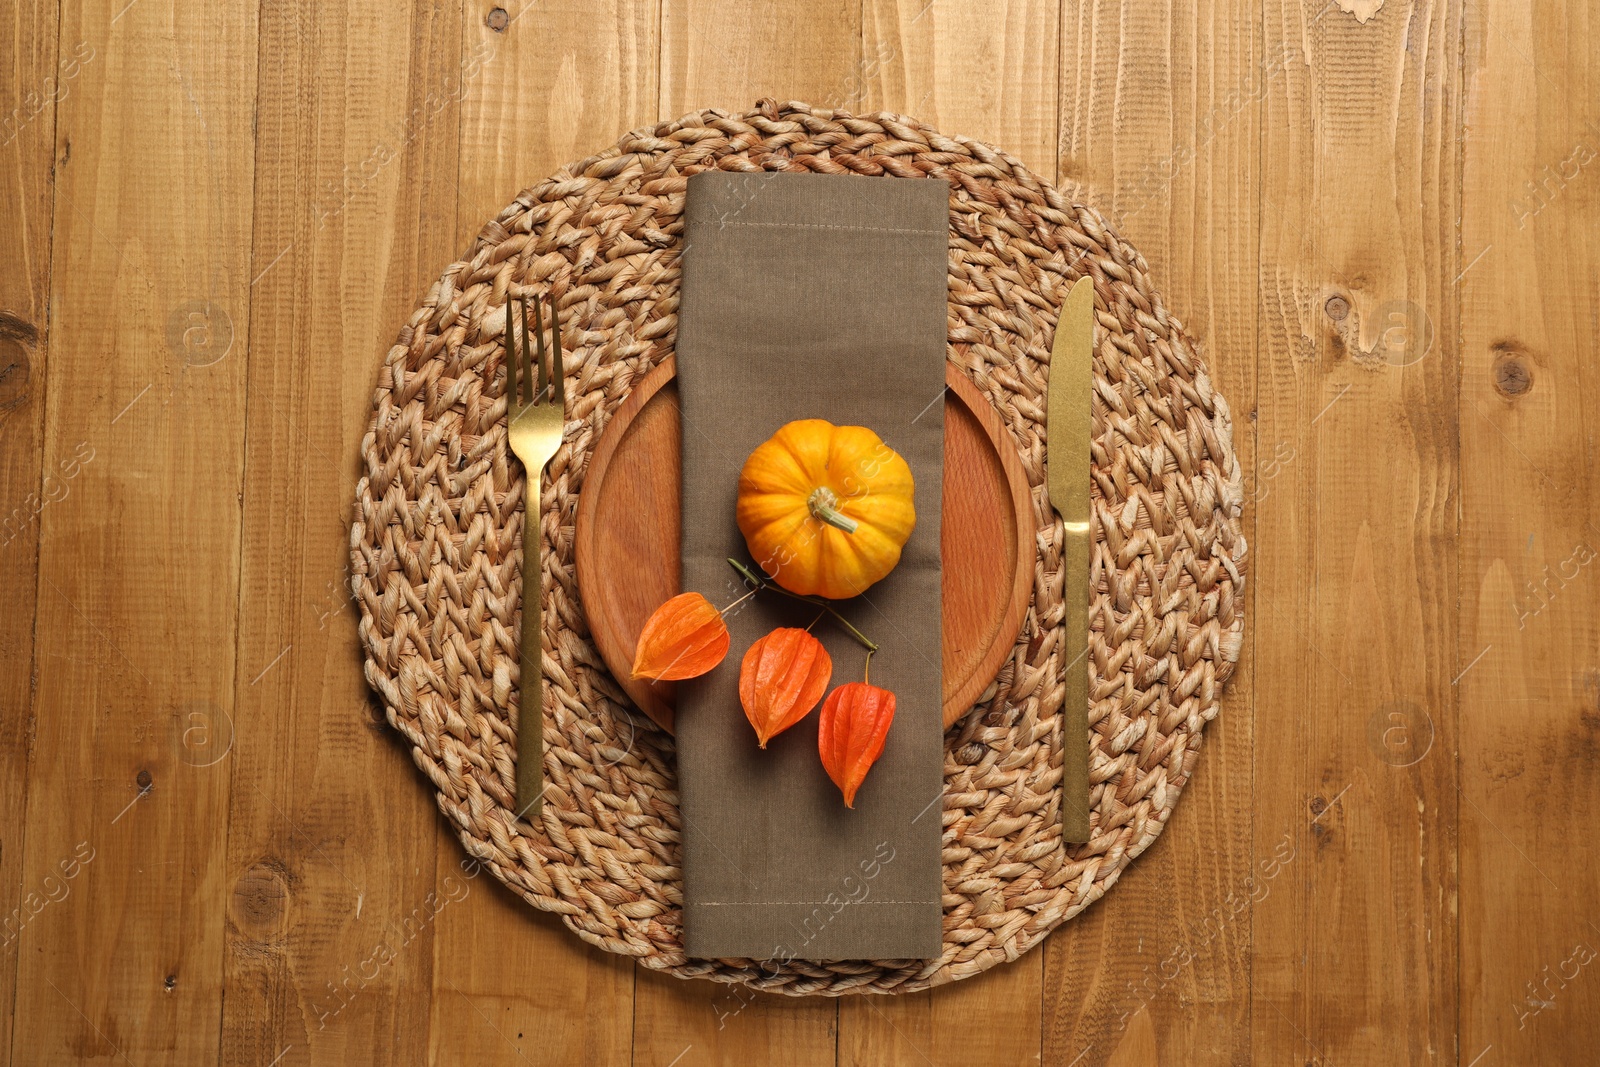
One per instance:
[(960, 702), (650, 697)]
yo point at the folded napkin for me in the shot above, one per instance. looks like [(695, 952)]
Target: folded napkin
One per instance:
[(812, 296)]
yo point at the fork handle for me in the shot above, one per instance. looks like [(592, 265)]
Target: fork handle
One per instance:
[(530, 709)]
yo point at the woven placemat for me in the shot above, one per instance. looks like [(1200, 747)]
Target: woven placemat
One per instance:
[(439, 516)]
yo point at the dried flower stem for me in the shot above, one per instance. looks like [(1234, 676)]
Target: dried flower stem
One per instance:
[(761, 581), (741, 600)]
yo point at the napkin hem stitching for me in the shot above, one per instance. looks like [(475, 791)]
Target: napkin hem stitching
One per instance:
[(941, 232), (760, 903)]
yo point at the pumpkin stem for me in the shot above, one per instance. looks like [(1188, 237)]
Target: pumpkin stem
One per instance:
[(824, 508)]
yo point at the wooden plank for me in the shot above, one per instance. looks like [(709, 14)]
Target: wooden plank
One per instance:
[(992, 1018), (727, 54), (1356, 591), (331, 851), (33, 76), (566, 80), (138, 571), (678, 1022), (512, 985), (1529, 688), (1160, 121), (983, 70)]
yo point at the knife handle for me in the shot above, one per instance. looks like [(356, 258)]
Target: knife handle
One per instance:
[(1075, 680)]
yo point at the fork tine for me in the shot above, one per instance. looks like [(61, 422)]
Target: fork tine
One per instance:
[(525, 355), (538, 332), (524, 371), (557, 366), (511, 363)]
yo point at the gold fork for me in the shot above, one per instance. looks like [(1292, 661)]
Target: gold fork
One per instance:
[(533, 424)]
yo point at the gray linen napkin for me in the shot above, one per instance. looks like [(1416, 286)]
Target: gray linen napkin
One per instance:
[(812, 296)]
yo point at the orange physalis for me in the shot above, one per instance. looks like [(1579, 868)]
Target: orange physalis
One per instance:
[(781, 679), (850, 733), (683, 638)]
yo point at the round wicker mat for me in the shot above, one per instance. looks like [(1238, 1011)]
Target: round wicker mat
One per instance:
[(435, 546)]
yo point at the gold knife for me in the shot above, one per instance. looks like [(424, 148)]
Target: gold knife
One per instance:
[(1067, 415)]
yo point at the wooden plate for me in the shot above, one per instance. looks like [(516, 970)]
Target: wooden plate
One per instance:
[(627, 537)]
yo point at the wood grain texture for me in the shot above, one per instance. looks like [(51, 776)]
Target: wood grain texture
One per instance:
[(939, 1026), (214, 296), (1355, 947), (560, 81), (1530, 533), (677, 1022), (729, 54), (983, 68), (1161, 114), (333, 903), (149, 282), (31, 82), (514, 987)]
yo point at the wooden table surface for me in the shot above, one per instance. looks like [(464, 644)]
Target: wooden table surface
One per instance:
[(1383, 220)]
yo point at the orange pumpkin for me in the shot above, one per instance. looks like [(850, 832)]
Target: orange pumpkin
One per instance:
[(826, 509)]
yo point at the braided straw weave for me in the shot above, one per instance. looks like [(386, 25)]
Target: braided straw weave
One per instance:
[(439, 519)]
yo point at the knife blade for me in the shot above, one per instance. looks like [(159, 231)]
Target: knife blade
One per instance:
[(1067, 428)]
